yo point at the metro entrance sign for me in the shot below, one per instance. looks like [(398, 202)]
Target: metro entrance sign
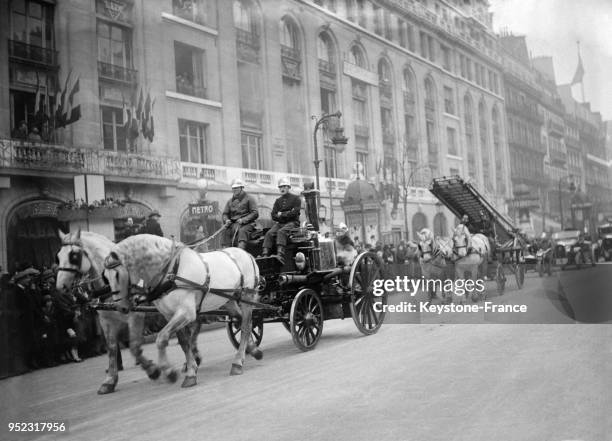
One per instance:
[(203, 208)]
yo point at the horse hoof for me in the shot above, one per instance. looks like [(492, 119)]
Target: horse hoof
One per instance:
[(257, 354), (172, 376), (154, 373), (189, 381), (236, 369), (106, 389)]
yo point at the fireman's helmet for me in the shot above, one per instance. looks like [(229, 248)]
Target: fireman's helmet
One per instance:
[(284, 182), (237, 183)]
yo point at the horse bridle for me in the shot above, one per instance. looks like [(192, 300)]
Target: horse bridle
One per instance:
[(75, 258)]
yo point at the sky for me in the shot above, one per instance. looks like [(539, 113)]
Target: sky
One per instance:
[(552, 28)]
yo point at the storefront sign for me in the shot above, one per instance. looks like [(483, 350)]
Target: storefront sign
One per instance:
[(38, 209), (203, 209)]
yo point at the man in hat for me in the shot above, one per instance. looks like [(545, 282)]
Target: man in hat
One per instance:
[(239, 216), (152, 226), (462, 238), (30, 304), (286, 213)]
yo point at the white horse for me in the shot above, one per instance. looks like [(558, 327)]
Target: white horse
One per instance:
[(432, 260), (198, 279), (471, 262), (82, 256)]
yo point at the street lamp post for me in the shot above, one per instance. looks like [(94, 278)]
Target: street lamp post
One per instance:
[(572, 188), (339, 141)]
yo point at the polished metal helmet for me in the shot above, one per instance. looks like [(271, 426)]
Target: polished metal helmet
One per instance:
[(284, 181), (237, 183)]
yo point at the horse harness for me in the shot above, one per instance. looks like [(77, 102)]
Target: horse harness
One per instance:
[(75, 257), (169, 278)]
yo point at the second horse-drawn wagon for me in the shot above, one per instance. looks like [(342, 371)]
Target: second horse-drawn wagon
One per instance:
[(506, 244)]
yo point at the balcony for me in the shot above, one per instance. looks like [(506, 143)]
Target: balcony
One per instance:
[(188, 88), (23, 52), (554, 127), (291, 60), (247, 38), (188, 11), (327, 66), (263, 179), (114, 72), (27, 158)]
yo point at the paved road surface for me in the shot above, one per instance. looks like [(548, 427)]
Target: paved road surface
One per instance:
[(408, 382)]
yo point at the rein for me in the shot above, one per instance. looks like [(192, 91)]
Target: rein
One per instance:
[(205, 240)]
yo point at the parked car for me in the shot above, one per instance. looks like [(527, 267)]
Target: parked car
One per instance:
[(605, 241), (570, 247)]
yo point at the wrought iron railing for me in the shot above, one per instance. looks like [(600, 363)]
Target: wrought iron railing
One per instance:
[(29, 52), (190, 89), (116, 72), (247, 38)]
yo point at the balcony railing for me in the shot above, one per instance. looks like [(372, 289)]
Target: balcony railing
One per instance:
[(116, 73), (56, 158), (188, 11), (190, 89), (246, 38), (223, 176), (31, 53)]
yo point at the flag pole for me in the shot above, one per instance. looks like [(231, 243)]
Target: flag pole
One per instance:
[(581, 79)]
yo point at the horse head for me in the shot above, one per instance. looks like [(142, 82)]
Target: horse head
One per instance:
[(73, 261), (118, 278), (445, 246)]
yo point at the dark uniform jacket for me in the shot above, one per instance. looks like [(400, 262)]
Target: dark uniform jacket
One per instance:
[(289, 206), (151, 226), (242, 207)]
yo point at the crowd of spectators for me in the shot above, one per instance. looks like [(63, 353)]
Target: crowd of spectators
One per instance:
[(52, 328)]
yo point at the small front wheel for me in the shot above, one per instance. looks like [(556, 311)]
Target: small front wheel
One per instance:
[(306, 319)]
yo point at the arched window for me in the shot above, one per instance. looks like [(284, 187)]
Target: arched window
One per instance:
[(440, 226), (419, 221), (324, 48), (384, 72), (242, 16), (408, 83), (288, 34), (356, 57)]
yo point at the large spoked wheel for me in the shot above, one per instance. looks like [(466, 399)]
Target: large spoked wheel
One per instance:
[(306, 319), (234, 333), (366, 268)]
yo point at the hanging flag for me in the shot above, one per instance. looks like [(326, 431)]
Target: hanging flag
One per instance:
[(578, 76), (126, 115), (37, 99), (133, 127), (151, 126), (59, 112), (146, 115), (73, 113), (139, 107)]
